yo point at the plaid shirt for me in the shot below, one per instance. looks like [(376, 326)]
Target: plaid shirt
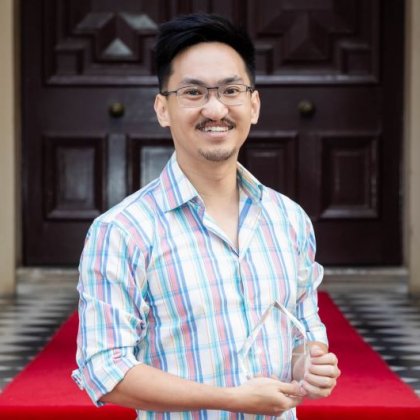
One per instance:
[(161, 284)]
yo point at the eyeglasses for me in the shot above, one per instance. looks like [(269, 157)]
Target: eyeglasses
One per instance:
[(195, 95), (295, 329)]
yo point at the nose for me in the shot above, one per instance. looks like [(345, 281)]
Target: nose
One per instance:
[(214, 108)]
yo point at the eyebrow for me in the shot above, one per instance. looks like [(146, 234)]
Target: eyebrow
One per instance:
[(191, 81)]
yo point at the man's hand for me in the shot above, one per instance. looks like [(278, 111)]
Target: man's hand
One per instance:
[(266, 396), (321, 373)]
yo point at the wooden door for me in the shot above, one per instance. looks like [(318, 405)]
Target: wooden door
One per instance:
[(331, 128), (330, 78)]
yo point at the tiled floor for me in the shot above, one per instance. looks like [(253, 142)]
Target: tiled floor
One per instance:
[(387, 318), (390, 323), (28, 320)]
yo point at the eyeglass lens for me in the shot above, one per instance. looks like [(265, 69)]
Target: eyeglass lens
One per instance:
[(192, 96)]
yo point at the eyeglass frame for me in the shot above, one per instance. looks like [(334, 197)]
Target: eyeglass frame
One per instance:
[(248, 88)]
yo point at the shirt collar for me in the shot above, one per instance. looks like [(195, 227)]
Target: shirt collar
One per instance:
[(178, 190), (176, 187), (250, 185)]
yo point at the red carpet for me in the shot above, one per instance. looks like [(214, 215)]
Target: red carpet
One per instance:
[(367, 389)]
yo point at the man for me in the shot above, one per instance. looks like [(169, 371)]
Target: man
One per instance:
[(175, 278)]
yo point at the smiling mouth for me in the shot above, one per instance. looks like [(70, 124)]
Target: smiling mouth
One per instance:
[(212, 127), (215, 129)]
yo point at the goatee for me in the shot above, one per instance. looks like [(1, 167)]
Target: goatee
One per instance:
[(217, 155)]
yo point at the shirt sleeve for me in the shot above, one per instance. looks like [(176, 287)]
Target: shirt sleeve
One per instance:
[(112, 311), (310, 275)]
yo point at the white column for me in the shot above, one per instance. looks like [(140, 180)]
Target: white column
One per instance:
[(8, 156), (412, 144)]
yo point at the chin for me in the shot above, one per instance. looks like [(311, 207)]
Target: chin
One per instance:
[(218, 155)]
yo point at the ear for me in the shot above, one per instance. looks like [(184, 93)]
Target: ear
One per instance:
[(255, 106), (161, 109)]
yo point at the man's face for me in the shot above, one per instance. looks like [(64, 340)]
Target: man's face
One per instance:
[(214, 131)]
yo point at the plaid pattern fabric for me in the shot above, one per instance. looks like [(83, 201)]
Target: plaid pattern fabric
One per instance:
[(161, 284)]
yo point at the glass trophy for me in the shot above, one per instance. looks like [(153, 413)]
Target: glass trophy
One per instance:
[(286, 323)]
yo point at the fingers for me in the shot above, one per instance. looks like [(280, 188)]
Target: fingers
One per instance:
[(320, 382), (324, 359), (290, 395), (323, 376), (292, 389), (324, 366), (318, 391), (319, 357), (322, 373), (268, 396), (329, 371)]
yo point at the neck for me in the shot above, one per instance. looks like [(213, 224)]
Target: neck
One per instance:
[(214, 181), (217, 185)]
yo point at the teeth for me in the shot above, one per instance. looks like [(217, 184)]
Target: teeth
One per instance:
[(216, 129)]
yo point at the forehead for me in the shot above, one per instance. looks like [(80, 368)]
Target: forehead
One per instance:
[(209, 62)]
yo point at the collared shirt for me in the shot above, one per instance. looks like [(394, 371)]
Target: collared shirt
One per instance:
[(162, 284)]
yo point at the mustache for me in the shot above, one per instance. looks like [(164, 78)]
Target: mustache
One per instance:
[(229, 123)]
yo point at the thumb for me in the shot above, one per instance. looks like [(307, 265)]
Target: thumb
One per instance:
[(292, 388), (316, 351)]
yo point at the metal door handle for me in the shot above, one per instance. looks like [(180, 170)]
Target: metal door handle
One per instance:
[(116, 110), (306, 108)]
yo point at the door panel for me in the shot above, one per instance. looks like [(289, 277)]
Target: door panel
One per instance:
[(329, 135), (74, 178), (272, 157), (317, 41), (147, 156)]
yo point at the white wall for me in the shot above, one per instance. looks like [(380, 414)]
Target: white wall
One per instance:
[(412, 145), (8, 161)]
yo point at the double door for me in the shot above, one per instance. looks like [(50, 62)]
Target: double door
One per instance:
[(329, 75)]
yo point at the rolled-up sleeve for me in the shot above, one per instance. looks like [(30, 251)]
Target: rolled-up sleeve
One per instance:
[(310, 275), (112, 311)]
